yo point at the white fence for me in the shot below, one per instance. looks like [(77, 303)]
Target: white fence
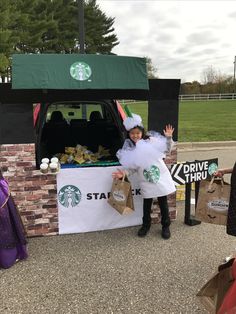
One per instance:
[(196, 97)]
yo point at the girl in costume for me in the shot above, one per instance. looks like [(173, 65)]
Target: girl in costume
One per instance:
[(231, 220), (143, 153), (12, 238)]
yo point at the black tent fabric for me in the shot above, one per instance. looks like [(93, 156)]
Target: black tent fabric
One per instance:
[(16, 107), (158, 89)]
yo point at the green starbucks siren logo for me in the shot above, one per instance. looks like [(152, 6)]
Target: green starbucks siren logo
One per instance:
[(212, 168), (80, 71), (152, 175), (69, 195)]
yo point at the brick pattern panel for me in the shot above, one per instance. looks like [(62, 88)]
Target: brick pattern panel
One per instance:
[(35, 193)]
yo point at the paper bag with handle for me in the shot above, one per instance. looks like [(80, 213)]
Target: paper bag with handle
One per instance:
[(213, 293), (213, 201), (121, 196)]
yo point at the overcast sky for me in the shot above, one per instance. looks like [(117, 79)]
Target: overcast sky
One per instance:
[(182, 38)]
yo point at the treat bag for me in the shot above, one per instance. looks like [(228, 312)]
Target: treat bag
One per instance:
[(213, 201), (121, 196), (213, 293)]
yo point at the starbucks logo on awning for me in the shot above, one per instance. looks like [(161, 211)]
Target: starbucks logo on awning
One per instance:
[(152, 175), (80, 71), (69, 196)]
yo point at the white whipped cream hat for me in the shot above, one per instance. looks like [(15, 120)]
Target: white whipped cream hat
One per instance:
[(130, 123), (132, 120)]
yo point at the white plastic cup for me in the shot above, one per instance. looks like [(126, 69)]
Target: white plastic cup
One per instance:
[(54, 160), (45, 160), (44, 168), (53, 167)]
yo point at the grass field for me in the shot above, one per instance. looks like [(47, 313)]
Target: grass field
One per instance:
[(201, 121)]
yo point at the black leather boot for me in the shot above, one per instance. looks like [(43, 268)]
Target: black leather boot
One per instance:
[(143, 231), (165, 233)]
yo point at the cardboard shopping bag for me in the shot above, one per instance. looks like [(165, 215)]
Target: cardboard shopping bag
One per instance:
[(212, 294), (213, 201), (228, 306), (121, 196)]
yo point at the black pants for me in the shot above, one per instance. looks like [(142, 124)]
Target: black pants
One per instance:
[(147, 204)]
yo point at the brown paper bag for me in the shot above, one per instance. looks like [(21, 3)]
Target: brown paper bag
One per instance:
[(213, 201), (121, 196), (213, 292)]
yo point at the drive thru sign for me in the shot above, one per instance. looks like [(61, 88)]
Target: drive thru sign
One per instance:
[(188, 172)]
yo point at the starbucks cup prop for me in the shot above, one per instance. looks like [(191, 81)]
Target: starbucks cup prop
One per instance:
[(45, 161), (55, 160), (44, 168), (54, 167)]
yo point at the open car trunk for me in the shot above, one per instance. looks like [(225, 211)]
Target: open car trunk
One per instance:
[(79, 133)]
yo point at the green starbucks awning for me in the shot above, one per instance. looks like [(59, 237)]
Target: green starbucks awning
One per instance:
[(75, 71)]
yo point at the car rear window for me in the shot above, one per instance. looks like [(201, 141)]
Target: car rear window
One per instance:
[(76, 111)]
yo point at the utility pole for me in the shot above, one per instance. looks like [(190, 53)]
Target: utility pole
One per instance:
[(234, 75), (81, 26)]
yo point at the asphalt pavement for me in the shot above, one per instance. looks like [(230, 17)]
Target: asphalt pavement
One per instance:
[(116, 272)]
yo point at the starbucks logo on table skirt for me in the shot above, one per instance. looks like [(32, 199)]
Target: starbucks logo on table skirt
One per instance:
[(69, 195), (212, 168), (80, 71), (152, 175)]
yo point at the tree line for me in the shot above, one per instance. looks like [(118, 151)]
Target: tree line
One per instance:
[(213, 82), (51, 26)]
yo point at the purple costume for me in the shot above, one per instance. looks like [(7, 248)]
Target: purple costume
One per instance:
[(12, 237)]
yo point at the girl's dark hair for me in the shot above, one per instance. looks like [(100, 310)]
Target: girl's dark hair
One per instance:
[(144, 135)]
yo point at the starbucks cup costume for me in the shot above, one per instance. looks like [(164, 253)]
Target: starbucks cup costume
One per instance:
[(145, 157)]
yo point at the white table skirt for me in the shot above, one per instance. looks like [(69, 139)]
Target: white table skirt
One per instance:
[(82, 201)]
